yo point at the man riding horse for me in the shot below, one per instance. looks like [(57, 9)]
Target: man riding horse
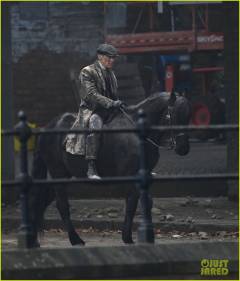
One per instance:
[(99, 101)]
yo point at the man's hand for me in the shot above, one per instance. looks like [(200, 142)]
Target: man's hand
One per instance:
[(117, 104)]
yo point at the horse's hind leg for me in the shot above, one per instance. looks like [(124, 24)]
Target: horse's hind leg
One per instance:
[(131, 207), (64, 210), (39, 199)]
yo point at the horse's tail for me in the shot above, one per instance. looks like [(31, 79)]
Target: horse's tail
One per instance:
[(40, 195)]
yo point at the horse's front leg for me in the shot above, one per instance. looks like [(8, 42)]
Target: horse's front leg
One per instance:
[(131, 207), (64, 210)]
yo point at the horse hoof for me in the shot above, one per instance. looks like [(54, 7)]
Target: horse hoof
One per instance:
[(128, 241), (34, 244), (75, 239), (127, 236), (77, 242)]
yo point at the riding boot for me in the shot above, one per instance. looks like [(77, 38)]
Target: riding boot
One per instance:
[(91, 156), (92, 171)]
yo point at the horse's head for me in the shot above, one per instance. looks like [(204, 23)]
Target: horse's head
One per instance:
[(179, 111), (166, 109)]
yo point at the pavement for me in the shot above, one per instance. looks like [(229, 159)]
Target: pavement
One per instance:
[(99, 222)]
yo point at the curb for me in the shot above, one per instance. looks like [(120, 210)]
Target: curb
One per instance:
[(145, 261)]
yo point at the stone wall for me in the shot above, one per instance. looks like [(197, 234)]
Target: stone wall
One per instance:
[(59, 27), (48, 39)]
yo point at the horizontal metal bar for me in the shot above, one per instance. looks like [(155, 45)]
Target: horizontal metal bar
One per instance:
[(227, 127), (77, 180), (177, 128), (69, 131), (226, 176)]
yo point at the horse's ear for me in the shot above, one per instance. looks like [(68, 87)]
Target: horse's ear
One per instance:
[(172, 98)]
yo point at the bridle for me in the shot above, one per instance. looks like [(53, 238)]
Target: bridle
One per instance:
[(169, 122)]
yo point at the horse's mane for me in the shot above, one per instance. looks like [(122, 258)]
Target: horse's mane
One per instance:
[(153, 101)]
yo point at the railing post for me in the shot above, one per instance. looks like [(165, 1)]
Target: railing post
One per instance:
[(25, 235), (145, 230)]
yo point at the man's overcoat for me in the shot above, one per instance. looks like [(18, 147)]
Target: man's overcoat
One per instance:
[(98, 90)]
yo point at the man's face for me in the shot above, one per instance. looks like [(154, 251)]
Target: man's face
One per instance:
[(106, 61)]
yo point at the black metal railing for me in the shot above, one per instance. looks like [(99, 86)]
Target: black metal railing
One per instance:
[(143, 178)]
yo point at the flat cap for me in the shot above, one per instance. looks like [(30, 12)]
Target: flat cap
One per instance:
[(108, 50)]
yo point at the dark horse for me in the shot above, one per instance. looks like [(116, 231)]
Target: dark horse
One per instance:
[(118, 156)]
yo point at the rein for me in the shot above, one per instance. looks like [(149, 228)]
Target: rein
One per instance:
[(169, 118), (129, 118)]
